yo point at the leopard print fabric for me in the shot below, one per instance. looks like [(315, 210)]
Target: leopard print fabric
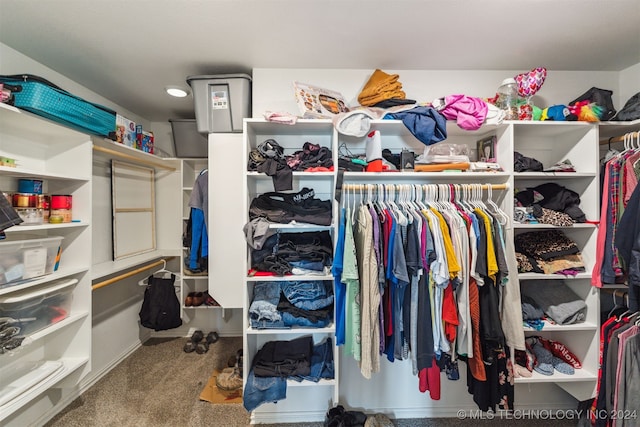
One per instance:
[(561, 219), (545, 244)]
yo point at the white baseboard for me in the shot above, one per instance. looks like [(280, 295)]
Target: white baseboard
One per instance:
[(86, 383), (184, 333), (258, 417), (287, 417)]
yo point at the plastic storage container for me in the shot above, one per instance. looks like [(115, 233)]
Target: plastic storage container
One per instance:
[(187, 141), (27, 259), (36, 308), (508, 99), (221, 102)]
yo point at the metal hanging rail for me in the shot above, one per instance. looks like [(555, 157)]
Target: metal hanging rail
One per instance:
[(619, 138), (374, 187)]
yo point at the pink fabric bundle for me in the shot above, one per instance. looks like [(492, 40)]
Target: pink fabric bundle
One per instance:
[(469, 112)]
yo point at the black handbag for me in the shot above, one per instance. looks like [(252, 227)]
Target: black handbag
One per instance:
[(601, 97)]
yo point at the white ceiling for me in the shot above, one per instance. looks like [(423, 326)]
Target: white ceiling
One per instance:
[(129, 50)]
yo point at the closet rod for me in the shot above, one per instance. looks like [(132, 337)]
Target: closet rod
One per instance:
[(619, 138), (356, 187), (129, 273), (133, 158)]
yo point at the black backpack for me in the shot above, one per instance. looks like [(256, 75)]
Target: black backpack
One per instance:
[(160, 308)]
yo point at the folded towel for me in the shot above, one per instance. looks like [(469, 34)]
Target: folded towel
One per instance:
[(557, 300), (380, 87)]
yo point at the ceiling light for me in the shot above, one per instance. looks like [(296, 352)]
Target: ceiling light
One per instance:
[(176, 91)]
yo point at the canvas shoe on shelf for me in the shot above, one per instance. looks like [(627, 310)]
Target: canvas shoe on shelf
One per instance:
[(196, 272)]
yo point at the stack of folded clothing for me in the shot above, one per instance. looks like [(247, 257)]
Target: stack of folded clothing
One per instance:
[(381, 87), (277, 361), (548, 252), (286, 304), (532, 314), (308, 253), (551, 204), (558, 302)]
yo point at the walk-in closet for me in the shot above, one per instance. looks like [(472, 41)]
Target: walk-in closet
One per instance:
[(321, 261)]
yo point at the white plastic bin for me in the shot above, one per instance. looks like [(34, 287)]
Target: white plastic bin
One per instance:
[(36, 308), (221, 102), (28, 259)]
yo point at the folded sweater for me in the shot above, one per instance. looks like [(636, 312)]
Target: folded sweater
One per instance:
[(556, 299)]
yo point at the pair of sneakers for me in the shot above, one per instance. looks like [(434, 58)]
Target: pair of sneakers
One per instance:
[(230, 378), (199, 343), (545, 361)]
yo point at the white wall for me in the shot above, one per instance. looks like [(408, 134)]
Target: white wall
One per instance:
[(629, 84), (115, 322), (14, 62), (395, 390), (273, 88)]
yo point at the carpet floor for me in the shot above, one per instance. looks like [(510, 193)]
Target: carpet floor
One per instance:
[(159, 385)]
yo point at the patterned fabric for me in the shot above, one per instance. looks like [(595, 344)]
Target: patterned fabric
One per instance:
[(545, 244), (552, 217), (614, 200), (476, 365)]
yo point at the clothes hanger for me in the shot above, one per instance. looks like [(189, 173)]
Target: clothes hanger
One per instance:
[(497, 212), (616, 305), (166, 274)]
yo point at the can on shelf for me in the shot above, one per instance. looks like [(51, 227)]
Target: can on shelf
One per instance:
[(30, 186), (24, 200), (61, 202), (65, 214)]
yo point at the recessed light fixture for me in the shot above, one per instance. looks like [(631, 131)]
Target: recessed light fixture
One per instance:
[(176, 91)]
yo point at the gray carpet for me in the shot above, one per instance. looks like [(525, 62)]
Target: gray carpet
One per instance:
[(160, 385)]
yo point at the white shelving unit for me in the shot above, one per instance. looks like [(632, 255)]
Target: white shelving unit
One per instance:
[(191, 168), (551, 143), (62, 159), (314, 397)]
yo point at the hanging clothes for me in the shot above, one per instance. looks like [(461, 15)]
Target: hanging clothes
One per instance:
[(618, 388), (621, 173), (197, 224), (628, 245), (429, 280)]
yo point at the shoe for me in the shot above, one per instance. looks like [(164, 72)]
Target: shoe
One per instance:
[(229, 379), (239, 358), (197, 272), (197, 299), (235, 360), (203, 347), (191, 345), (334, 416), (209, 301), (9, 332), (11, 344), (188, 301), (544, 358)]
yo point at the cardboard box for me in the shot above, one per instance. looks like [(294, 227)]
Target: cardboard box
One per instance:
[(144, 140), (125, 131)]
